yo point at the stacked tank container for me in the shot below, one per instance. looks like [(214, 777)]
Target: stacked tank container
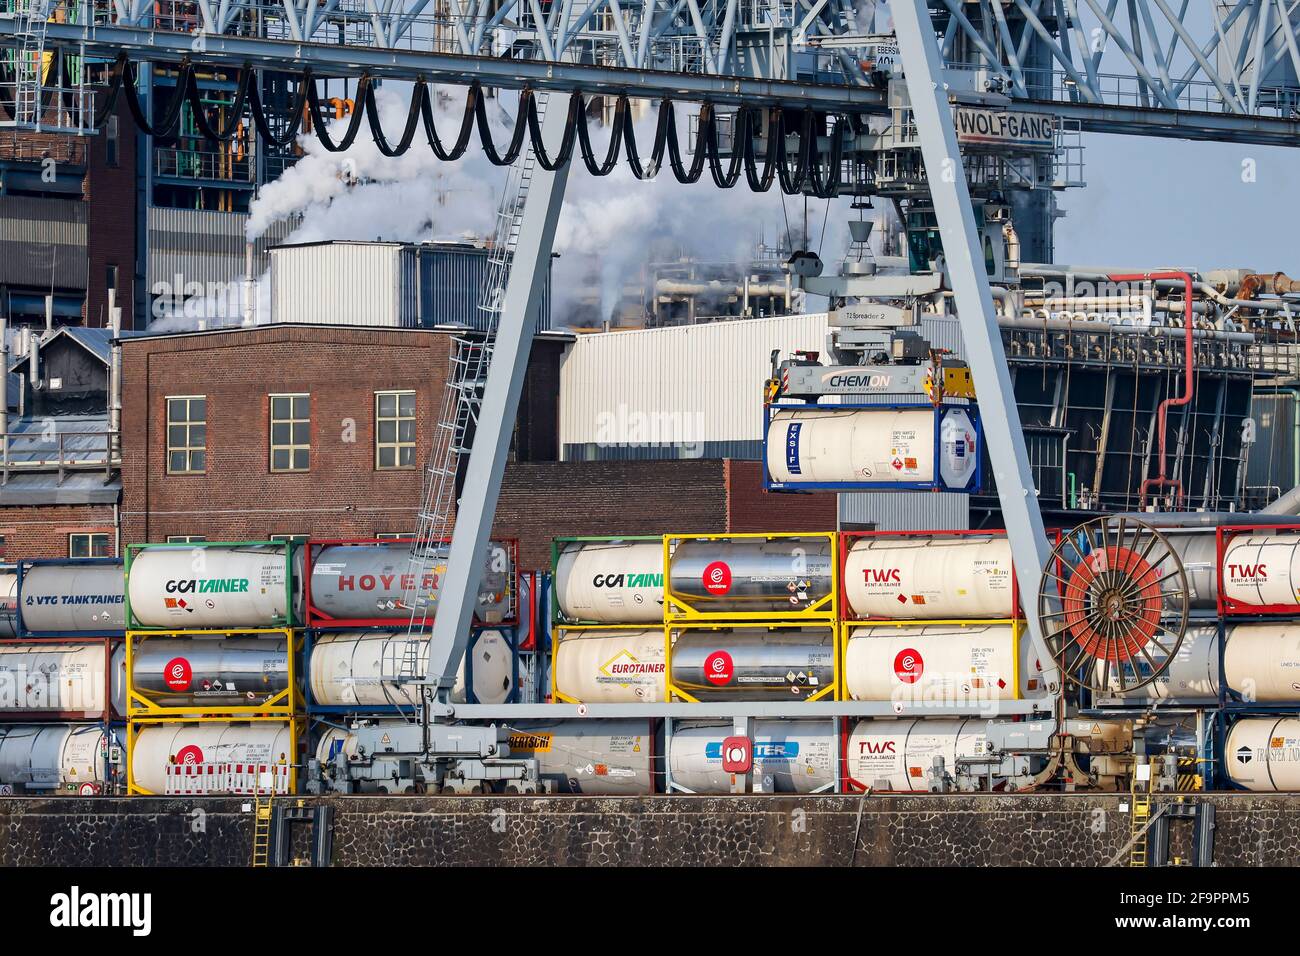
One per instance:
[(213, 644), (927, 618), (62, 677), (1258, 603), (355, 594)]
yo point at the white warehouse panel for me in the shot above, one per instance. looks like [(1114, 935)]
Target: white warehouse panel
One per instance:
[(682, 385), (343, 283)]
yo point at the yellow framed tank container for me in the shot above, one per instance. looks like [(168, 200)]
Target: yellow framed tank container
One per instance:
[(942, 661), (153, 745), (608, 664), (779, 578), (196, 673), (751, 661)]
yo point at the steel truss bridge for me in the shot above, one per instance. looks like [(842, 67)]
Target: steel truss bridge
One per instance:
[(1154, 67), (1224, 71)]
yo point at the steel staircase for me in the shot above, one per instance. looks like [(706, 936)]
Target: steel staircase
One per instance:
[(1139, 820), (453, 435), (29, 65)]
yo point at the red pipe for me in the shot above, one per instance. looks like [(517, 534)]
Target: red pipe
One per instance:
[(1188, 382)]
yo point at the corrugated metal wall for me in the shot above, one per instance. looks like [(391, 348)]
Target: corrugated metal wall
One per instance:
[(905, 510), (1272, 467), (204, 246), (42, 242), (690, 386), (343, 283)]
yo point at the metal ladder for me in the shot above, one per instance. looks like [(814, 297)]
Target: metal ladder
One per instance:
[(262, 808), (1138, 821), (30, 64), (462, 397)]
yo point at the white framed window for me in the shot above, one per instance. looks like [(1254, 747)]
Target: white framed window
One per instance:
[(187, 434), (394, 430), (392, 535), (290, 432), (185, 538), (88, 544)]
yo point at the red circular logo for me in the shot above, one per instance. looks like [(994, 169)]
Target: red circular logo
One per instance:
[(189, 754), (717, 578), (717, 668), (908, 666), (178, 674)]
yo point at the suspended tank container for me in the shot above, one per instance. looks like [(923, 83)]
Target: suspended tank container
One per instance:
[(82, 597), (347, 670), (85, 681), (1263, 754), (608, 580), (942, 663), (210, 585), (752, 663), (1259, 569), (789, 756), (608, 665), (872, 447), (74, 759), (1261, 662), (218, 747), (365, 583), (751, 577), (940, 575), (182, 673)]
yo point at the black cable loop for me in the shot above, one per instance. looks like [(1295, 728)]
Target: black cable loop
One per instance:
[(320, 124), (650, 170), (561, 158), (236, 107), (305, 83), (516, 138), (615, 141), (729, 178), (761, 183), (466, 125), (688, 176), (412, 120)]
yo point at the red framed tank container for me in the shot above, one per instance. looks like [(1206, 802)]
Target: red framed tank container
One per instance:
[(106, 716), (1223, 537), (847, 538), (318, 619)]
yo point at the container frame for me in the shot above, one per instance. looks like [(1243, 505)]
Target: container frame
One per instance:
[(310, 636), (936, 484), (679, 610), (558, 619), (21, 569), (285, 704), (676, 695), (1229, 607), (289, 619), (557, 638), (1018, 628), (297, 737), (103, 718), (319, 620), (846, 544)]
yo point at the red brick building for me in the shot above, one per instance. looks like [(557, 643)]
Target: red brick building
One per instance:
[(324, 431), (293, 429)]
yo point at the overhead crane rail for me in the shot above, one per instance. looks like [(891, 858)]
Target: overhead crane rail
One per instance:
[(811, 172)]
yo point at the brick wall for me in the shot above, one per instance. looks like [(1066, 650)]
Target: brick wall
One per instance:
[(547, 500), (239, 498), (42, 531), (110, 193)]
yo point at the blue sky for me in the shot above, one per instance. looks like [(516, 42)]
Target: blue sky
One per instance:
[(1164, 202)]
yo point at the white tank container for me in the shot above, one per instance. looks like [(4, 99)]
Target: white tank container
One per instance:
[(610, 666), (1191, 678), (929, 578), (160, 745), (64, 756), (346, 669), (1261, 662), (63, 599), (939, 663), (1262, 569), (884, 446), (209, 587), (611, 582), (1263, 754), (62, 678), (1199, 556), (798, 755), (898, 755), (8, 604)]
